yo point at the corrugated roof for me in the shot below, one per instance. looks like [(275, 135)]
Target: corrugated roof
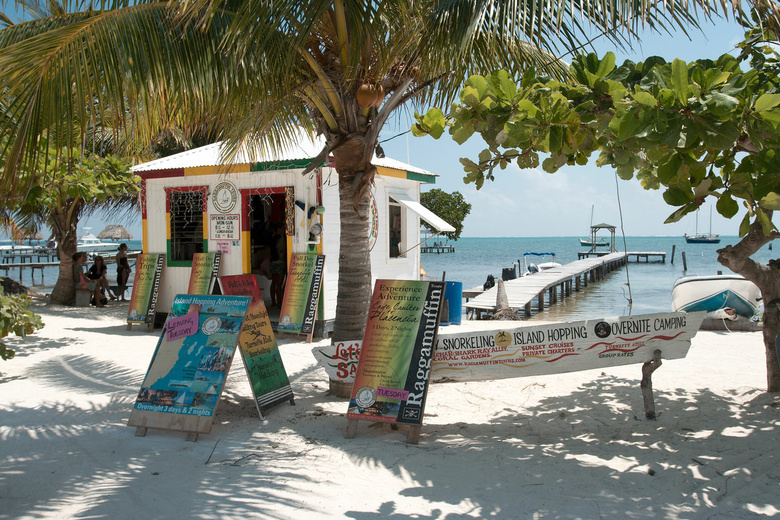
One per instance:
[(211, 155)]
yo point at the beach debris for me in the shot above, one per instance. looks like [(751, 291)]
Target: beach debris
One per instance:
[(503, 311)]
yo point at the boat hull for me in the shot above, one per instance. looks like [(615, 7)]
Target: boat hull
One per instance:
[(702, 240), (589, 243), (710, 293)]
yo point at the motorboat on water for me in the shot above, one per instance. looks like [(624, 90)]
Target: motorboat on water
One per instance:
[(530, 268), (714, 292), (89, 243)]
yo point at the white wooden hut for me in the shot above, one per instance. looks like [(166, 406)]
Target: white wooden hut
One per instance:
[(192, 202)]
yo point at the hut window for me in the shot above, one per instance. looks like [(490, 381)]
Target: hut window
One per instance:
[(396, 225), (186, 212)]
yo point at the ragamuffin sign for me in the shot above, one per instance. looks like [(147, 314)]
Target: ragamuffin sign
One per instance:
[(562, 347)]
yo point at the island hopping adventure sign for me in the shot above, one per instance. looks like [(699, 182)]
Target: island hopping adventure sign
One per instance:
[(190, 365), (393, 371), (259, 350), (562, 347)]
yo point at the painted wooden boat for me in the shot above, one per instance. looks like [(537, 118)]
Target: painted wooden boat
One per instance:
[(710, 293)]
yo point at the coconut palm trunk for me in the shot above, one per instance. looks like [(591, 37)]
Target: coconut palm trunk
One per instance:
[(65, 233), (354, 279)]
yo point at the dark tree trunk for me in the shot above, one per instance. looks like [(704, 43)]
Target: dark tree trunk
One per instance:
[(767, 279)]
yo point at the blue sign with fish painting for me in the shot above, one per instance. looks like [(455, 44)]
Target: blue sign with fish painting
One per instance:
[(190, 365)]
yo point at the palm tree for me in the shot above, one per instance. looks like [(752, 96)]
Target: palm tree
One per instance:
[(258, 72)]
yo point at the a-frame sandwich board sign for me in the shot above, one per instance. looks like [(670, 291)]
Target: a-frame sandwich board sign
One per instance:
[(257, 343), (188, 370), (146, 287), (393, 372)]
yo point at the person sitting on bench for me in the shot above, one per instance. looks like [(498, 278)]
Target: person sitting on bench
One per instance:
[(80, 280), (98, 272)]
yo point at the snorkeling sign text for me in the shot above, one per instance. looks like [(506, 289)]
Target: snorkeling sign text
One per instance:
[(562, 347)]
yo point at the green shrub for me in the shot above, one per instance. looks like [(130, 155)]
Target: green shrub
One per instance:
[(16, 318)]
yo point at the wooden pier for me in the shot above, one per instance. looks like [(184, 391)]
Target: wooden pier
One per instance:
[(28, 265), (437, 249), (550, 284), (656, 256), (6, 267)]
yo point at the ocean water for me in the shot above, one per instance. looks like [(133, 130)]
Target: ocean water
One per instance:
[(50, 274), (650, 283), (475, 258)]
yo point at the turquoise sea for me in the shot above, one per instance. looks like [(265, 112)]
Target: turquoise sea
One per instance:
[(650, 283), (475, 258), (50, 274)]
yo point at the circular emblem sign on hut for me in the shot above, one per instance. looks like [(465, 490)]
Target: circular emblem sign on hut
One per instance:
[(224, 197)]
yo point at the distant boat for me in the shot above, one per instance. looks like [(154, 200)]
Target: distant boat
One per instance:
[(702, 238), (89, 243), (531, 268), (711, 293), (593, 241), (600, 242)]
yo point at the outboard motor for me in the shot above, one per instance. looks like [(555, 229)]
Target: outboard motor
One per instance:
[(508, 273), (533, 268), (490, 282)]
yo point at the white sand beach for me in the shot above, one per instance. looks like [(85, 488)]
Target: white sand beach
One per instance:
[(554, 447)]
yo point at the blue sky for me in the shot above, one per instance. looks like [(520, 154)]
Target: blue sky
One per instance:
[(534, 203)]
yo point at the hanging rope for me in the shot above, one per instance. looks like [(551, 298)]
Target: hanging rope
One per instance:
[(623, 233)]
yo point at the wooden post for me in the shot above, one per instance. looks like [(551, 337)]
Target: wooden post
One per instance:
[(647, 383), (351, 431), (685, 264)]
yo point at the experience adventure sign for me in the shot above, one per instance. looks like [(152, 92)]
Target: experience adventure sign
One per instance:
[(394, 368)]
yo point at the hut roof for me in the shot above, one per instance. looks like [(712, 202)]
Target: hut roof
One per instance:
[(211, 155)]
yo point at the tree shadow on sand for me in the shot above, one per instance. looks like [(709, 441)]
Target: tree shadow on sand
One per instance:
[(587, 453)]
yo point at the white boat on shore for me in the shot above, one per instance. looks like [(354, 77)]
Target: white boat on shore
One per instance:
[(710, 293), (532, 268)]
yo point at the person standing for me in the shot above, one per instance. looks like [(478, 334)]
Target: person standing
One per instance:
[(123, 269)]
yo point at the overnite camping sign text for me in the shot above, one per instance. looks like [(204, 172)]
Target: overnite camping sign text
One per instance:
[(394, 368), (562, 347)]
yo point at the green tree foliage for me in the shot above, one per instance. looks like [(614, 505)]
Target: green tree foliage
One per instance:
[(452, 207), (708, 128), (17, 319), (61, 192), (264, 72)]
